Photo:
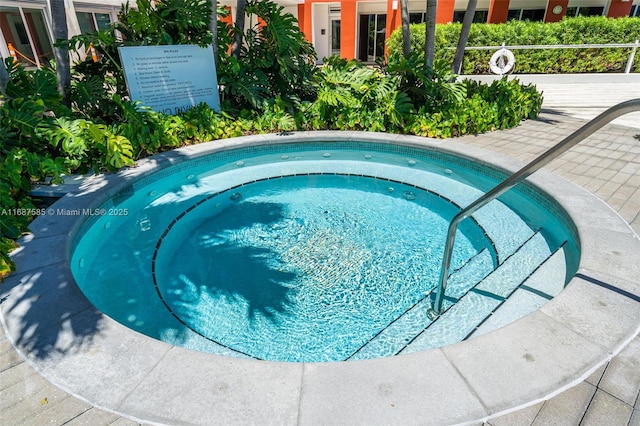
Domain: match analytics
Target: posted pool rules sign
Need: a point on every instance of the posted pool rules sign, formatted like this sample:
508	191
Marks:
171	79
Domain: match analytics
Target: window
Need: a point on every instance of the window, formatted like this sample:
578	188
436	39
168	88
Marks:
526	14
416	18
28	33
532	14
479	17
335	36
91	22
585	11
377	35
635	10
514	14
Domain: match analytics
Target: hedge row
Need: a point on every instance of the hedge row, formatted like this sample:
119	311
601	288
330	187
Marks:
580	30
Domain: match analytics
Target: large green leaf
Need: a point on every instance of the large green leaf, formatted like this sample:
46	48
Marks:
119	152
69	135
25	116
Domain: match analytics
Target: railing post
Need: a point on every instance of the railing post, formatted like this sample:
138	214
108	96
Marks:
446	263
535	165
631	57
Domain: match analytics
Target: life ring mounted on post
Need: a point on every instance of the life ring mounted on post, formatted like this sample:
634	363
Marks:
497	63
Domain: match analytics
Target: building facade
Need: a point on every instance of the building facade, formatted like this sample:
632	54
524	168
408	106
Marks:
349	28
359	28
25	26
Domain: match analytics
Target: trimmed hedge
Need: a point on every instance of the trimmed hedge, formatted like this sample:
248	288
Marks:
580	30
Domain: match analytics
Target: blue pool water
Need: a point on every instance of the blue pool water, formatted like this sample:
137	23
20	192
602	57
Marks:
306	253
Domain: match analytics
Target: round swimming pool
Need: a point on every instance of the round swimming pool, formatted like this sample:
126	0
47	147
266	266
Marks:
319	251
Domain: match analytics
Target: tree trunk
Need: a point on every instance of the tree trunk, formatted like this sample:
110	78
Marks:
406	33
464	36
213	27
430	33
61	53
239	30
4	76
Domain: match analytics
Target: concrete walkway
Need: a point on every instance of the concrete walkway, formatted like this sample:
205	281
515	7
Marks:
606	164
584	95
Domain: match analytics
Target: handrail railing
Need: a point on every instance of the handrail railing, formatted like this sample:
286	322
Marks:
555	46
627	70
535	165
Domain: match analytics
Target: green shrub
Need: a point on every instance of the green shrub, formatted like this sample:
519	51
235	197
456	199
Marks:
501	105
276	61
431	88
40	139
351	96
580	30
406	97
23	156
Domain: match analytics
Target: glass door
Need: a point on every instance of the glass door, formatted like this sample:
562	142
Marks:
372	36
335	36
26	30
39	35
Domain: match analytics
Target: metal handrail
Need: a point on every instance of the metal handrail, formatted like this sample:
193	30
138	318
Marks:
554	46
535	165
627	70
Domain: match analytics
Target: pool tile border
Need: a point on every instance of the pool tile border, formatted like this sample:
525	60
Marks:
115	368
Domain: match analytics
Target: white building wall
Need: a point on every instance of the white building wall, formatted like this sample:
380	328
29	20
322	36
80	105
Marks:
589	3
320	17
365	7
482	4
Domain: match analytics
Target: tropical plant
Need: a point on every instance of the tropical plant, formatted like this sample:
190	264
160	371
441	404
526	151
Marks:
355	97
501	105
26	116
34	119
164	22
276	61
38	85
430	87
274	118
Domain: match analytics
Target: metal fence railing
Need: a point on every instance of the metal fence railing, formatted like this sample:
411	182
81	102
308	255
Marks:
634	47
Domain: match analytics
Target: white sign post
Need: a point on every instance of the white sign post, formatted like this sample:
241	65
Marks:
171	79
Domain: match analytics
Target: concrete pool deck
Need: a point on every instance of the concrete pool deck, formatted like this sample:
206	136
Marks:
607	164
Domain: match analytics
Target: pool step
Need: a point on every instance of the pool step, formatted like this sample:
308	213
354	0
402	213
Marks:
506	230
543	284
504	227
472	308
400	332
